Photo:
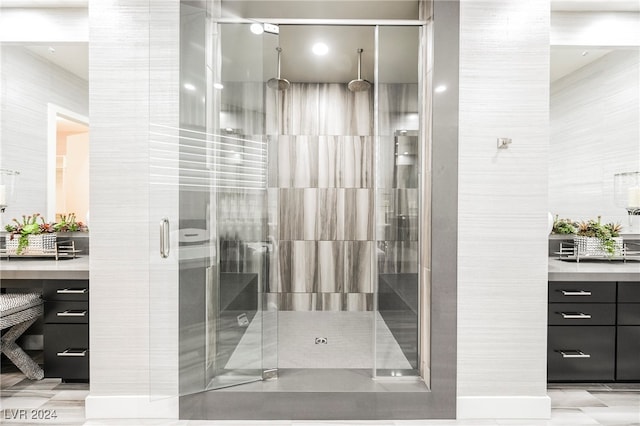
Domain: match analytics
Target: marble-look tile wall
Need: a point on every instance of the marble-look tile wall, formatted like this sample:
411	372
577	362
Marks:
321	196
322	166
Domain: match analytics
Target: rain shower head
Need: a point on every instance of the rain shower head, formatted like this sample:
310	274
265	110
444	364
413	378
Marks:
359	85
278	83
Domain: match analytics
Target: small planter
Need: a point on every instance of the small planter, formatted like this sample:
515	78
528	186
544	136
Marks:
39	244
592	246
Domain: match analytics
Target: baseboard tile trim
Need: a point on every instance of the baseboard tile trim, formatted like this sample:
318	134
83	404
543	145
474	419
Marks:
130	407
503	407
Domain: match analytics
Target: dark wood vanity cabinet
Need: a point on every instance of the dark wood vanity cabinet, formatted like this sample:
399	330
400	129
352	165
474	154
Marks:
628	338
594	331
581	335
66	329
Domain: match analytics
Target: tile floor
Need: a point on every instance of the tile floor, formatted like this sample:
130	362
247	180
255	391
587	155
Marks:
572	405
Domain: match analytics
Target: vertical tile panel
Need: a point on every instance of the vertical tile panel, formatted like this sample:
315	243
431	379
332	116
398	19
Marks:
331	266
358	267
291	208
327	214
311	213
329	162
304	161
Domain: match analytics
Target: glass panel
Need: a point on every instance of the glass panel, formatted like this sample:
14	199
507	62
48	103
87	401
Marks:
208	166
398	154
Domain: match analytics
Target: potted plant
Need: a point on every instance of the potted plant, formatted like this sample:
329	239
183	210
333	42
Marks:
34	235
596	239
564	226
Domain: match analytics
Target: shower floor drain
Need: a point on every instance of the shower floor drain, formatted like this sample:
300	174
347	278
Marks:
321	341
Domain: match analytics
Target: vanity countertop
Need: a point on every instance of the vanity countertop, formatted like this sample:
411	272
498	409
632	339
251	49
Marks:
593	270
39	268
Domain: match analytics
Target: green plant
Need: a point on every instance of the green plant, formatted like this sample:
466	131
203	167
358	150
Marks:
67	223
605	233
563	226
35	224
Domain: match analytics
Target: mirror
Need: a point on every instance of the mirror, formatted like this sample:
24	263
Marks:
45	105
594	129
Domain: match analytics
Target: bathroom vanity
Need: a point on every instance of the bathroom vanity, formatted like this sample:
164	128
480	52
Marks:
65	289
593	321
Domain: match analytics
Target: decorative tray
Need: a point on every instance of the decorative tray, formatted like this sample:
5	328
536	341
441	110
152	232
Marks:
62	250
569	252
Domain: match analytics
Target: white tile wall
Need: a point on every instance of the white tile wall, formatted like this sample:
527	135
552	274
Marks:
595	133
29	83
502	258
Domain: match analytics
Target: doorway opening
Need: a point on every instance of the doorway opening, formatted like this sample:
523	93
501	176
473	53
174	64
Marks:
68	165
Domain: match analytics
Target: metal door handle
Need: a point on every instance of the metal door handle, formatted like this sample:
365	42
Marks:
73	352
164	238
573	353
575	315
72	314
71	291
576	293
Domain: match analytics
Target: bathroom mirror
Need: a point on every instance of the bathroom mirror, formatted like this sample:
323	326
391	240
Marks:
594	116
44	123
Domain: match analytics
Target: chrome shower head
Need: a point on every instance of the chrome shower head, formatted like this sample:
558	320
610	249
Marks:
278	83
359	85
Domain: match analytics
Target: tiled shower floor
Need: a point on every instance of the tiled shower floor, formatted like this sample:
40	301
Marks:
349	342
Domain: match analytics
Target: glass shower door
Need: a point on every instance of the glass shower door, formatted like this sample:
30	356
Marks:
211	323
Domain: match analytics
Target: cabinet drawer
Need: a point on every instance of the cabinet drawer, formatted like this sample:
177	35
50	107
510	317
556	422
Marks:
628	366
629	314
66	351
582	314
72	290
629	292
64	312
581	353
582	292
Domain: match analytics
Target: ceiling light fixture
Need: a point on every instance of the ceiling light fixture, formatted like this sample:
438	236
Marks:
256	28
440	89
218	86
189	86
320	49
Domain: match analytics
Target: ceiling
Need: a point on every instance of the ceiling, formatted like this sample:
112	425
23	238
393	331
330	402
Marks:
596	5
340	64
72	57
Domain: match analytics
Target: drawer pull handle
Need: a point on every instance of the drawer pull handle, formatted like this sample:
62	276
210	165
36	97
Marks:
71	291
575	293
575	315
69	313
73	353
573	353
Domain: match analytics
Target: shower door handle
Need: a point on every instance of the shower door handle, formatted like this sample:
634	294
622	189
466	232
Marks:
164	238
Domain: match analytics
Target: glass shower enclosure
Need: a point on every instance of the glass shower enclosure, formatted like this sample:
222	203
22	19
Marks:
285	224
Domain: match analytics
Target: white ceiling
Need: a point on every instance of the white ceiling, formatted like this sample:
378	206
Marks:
340	64
596	5
44	3
565	60
72	57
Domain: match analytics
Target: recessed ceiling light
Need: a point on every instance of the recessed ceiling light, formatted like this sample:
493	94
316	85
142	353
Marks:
406	153
320	49
189	86
218	86
52	49
440	89
256	28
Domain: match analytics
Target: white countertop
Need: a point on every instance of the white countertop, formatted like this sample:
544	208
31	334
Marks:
42	268
593	270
